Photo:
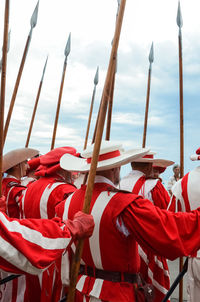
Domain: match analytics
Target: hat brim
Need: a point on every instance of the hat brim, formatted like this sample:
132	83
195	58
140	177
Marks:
72	163
155	161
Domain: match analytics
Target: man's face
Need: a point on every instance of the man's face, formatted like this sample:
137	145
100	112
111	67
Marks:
177	171
24	166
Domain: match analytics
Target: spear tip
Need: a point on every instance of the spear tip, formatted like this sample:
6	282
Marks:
34	16
96	78
68	46
179	19
151	54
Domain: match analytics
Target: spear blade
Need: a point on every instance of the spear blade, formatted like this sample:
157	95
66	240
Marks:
44	69
179	19
34	16
151	54
68	46
96	78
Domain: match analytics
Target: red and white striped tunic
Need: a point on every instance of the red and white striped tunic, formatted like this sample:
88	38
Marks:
39	201
153	268
29	246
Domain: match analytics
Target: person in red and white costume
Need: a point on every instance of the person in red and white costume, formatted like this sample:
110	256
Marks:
15	165
186	198
110	259
39	201
141	181
31	245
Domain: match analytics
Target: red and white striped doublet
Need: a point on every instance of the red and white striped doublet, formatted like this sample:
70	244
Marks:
109	248
153	268
12	190
41	197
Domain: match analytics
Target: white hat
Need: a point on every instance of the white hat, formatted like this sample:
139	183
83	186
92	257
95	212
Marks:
149	158
110	156
196	156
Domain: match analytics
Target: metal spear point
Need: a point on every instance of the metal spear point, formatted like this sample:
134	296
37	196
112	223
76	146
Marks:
179	19
96	78
151	54
34	16
68	46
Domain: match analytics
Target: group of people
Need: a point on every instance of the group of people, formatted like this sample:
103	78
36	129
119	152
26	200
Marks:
132	229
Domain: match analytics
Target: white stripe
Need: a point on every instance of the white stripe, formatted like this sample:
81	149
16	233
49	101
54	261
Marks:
7	199
160	265
34	236
96	290
44	198
156	284
80	283
22	203
21	287
66	209
97	212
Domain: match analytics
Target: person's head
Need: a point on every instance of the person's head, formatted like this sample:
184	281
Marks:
111	157
146	168
50	163
176	170
15	162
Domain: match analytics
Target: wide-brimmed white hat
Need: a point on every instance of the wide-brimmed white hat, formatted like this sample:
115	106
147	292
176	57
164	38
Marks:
149	158
111	155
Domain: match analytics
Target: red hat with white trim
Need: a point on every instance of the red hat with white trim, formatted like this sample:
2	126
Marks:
111	155
196	156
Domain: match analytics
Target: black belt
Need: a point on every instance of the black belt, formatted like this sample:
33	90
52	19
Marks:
108	275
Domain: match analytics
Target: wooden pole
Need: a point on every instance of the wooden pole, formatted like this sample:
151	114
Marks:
180	24
92	172
110	107
12	102
91	108
35	107
3	84
67	51
147	97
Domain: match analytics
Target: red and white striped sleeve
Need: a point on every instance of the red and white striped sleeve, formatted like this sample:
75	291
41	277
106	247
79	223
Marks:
30	245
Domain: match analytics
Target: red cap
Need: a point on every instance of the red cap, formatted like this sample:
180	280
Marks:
33	163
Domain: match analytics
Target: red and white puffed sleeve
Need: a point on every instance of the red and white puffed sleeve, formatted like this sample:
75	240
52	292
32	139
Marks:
30	245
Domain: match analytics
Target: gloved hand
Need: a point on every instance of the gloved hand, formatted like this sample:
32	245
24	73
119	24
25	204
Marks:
81	226
3	204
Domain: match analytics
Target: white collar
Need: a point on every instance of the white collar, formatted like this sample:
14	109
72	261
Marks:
133	172
102	179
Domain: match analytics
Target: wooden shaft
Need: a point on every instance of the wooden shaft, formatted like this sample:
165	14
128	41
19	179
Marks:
146	110
33	115
58	105
92	172
110	106
12	102
95	129
89	119
181	142
3	85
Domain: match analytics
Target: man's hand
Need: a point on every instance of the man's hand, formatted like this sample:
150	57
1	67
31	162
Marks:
81	226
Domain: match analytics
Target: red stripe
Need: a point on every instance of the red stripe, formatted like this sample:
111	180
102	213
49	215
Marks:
138	185
105	156
148	156
184	186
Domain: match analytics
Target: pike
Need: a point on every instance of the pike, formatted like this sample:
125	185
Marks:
66	52
179	22
35	107
89	190
96	80
8	47
111	93
3	83
33	23
151	58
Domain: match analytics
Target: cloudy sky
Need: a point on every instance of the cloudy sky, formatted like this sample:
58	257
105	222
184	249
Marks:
91	23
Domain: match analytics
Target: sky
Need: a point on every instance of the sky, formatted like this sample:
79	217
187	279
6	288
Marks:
91	24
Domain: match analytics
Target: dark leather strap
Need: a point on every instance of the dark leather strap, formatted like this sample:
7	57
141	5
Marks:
109	275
